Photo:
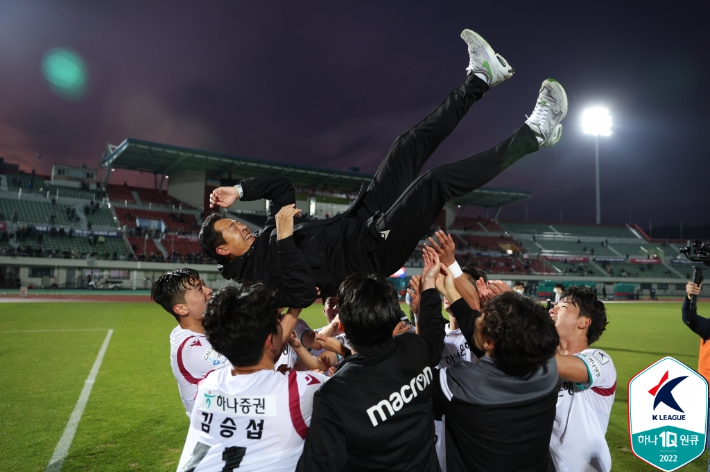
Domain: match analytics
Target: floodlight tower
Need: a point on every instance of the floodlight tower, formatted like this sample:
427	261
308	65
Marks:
597	122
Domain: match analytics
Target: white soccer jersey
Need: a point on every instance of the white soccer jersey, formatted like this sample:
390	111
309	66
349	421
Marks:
582	417
250	422
456	348
191	357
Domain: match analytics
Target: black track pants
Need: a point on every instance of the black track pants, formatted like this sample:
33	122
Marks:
409	204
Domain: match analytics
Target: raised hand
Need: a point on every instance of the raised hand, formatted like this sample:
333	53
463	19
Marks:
445	284
223	197
284	220
432	267
414	291
498	286
444	248
484	293
401	328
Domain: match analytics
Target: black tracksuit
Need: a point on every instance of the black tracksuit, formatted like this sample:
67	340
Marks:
379	232
375	413
495	422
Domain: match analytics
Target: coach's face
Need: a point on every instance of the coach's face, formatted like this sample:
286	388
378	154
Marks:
237	236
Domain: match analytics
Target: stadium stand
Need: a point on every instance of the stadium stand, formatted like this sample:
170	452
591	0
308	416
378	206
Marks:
573	248
183	222
36	212
144	247
100	217
143	196
526	228
181	246
120	194
26	182
602	231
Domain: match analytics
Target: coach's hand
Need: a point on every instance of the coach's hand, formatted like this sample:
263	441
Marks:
284	221
223	197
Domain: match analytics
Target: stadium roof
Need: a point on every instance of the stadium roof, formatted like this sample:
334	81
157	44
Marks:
162	159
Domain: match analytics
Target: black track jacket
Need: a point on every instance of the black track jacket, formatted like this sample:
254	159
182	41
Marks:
322	253
375	413
495	422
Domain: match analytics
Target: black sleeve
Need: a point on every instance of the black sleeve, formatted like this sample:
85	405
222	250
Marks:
699	325
466	318
280	191
431	325
326	447
298	289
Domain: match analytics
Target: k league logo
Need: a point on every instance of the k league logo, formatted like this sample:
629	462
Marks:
668	408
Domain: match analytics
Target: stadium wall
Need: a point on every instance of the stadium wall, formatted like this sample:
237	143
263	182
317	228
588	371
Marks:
134	275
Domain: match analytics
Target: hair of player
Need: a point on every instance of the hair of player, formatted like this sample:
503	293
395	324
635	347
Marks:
519	284
238	320
524	336
560	286
474	272
169	289
369	310
591	307
210	239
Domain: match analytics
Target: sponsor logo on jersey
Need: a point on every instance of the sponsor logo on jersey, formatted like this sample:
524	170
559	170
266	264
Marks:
397	399
196	342
602	357
310	380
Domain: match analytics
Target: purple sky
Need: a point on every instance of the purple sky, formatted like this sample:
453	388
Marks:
332	85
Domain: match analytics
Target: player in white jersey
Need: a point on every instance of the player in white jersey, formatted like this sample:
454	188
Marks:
587	388
248	417
183	294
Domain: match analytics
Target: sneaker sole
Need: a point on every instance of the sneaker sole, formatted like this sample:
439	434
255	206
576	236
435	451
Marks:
471	36
564	105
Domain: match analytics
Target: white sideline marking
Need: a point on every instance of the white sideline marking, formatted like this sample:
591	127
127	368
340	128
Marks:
51	330
60	453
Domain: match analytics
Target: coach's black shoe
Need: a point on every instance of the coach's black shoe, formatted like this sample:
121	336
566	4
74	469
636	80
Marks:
483	60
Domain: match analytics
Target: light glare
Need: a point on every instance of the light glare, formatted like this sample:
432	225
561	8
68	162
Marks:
597	122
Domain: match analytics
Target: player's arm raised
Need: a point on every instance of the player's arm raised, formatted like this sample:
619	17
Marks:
298	289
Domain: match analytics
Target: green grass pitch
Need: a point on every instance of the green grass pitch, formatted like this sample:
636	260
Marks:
134	419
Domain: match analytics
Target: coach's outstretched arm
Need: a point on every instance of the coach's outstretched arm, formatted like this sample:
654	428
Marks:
278	190
297	288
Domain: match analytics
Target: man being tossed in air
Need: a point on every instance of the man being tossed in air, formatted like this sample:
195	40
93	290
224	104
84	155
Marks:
383	226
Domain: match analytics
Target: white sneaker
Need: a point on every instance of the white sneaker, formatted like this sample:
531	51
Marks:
549	111
483	60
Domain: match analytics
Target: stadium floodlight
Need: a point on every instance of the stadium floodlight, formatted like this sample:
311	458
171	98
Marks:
597	122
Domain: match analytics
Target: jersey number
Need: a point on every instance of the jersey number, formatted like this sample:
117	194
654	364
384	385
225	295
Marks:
232	457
